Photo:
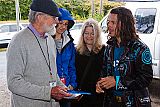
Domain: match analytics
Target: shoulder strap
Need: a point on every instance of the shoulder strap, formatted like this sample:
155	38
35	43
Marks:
86	70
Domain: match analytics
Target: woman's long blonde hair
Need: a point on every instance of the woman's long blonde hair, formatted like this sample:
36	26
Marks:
81	47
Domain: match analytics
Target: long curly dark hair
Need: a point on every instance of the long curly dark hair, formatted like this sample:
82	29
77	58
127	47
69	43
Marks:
127	31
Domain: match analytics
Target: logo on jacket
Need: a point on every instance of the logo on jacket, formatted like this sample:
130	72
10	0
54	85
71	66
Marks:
146	56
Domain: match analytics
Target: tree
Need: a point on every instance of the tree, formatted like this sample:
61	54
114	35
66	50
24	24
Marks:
101	7
92	8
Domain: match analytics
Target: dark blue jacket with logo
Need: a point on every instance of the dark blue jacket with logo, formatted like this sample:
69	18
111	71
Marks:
134	67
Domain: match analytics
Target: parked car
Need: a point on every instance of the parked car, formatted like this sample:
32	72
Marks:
77	25
76	31
7	31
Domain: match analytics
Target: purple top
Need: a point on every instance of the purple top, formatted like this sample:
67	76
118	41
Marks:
35	32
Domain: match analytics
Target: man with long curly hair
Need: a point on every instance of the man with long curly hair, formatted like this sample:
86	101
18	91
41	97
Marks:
127	68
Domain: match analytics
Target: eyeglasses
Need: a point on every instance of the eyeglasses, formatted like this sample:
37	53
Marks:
64	23
53	17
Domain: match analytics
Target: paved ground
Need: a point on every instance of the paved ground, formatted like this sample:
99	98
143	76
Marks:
4	92
155	93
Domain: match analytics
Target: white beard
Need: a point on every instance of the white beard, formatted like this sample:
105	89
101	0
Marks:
51	30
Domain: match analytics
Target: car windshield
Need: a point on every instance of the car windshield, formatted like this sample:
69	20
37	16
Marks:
77	26
25	24
145	19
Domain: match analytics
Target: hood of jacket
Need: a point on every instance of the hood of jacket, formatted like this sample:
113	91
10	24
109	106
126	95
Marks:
66	39
65	15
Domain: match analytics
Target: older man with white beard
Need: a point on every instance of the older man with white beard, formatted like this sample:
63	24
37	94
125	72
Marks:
31	60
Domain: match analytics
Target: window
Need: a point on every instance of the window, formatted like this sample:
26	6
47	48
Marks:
77	26
25	25
145	19
4	28
104	25
13	28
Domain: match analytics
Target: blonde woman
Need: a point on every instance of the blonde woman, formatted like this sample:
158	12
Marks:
89	56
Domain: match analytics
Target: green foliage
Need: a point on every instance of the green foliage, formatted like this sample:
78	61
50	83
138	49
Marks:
98	16
24	8
8	11
80	9
110	5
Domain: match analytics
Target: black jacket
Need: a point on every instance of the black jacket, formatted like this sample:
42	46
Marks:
90	79
134	67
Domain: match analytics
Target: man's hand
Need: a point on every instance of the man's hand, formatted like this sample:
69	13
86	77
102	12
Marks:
98	88
59	92
106	83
